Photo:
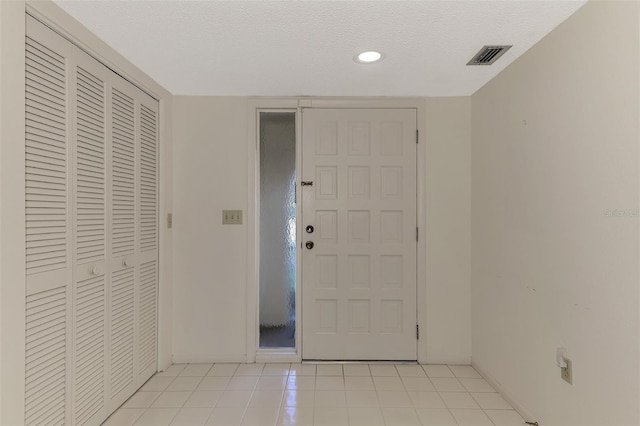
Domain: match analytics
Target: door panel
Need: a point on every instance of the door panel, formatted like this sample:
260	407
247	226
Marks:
359	279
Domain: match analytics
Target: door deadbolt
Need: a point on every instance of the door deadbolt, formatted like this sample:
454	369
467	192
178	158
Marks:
309	245
309	229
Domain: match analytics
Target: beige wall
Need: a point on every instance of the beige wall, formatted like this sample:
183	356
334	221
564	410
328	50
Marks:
554	152
211	260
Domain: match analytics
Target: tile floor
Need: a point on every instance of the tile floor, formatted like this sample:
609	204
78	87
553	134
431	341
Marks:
314	395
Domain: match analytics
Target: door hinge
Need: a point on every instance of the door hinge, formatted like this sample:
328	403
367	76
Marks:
417	234
417	134
417	332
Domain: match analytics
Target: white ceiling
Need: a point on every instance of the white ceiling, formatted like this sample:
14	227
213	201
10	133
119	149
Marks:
296	47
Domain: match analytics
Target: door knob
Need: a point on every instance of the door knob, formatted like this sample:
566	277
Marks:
309	244
309	229
126	262
96	270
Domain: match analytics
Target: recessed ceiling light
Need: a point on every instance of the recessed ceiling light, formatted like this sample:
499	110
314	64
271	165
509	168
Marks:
368	57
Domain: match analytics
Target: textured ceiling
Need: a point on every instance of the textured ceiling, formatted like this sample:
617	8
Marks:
290	48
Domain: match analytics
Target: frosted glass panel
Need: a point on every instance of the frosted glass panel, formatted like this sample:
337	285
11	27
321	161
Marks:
277	229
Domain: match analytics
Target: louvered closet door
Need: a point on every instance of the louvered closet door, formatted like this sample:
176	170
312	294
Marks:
48	229
147	291
123	262
90	224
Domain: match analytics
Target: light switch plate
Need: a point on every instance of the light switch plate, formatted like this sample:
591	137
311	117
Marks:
232	217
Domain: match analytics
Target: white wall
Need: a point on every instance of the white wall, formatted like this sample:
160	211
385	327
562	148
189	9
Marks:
12	212
210	260
554	151
448	230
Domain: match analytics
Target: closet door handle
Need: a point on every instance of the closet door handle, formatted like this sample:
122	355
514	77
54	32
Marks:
126	262
96	270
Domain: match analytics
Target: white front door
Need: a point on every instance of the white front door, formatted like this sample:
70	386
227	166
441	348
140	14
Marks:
359	195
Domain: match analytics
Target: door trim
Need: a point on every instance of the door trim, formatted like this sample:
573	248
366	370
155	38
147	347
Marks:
255	105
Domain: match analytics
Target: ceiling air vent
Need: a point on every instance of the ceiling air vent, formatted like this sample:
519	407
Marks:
488	55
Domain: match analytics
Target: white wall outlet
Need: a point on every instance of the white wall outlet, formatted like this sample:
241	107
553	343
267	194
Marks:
232	217
566	373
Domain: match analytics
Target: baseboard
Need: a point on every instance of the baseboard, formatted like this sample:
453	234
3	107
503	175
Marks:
208	358
524	413
448	360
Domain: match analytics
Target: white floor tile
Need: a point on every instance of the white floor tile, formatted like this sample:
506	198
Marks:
329	370
171	400
213	383
356	370
260	416
358	383
299	398
301	382
198	370
330	399
184	384
203	399
223	370
362	399
329	383
276	369
436	417
157	384
447	384
491	401
237	398
249	370
388	383
400	416
477	385
465	371
426	400
458	400
470	417
226	416
410	371
141	400
243	383
437	371
266	398
298	416
272	382
394	399
172	371
421	384
505	417
335	416
157	417
124	417
302	370
192	417
359	416
289	394
383	370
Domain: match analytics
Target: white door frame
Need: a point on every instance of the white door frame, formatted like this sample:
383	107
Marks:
255	105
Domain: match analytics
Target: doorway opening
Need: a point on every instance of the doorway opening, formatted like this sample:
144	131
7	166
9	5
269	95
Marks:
277	282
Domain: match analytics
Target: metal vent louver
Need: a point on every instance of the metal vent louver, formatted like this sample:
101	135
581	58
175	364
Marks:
488	55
